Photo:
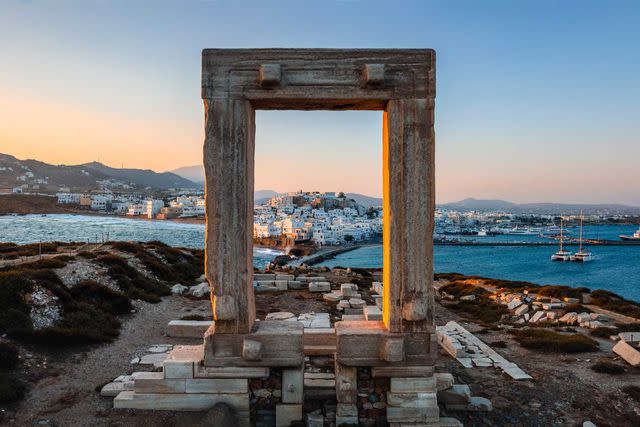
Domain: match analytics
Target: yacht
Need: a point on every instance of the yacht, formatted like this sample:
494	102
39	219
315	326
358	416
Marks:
581	255
562	255
635	237
482	233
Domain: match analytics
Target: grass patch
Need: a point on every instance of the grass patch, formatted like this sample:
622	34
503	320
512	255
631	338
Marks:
606	367
460	289
547	341
481	309
577	308
46	263
610	301
107	299
130	281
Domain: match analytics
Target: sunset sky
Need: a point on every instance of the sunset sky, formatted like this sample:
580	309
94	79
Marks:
536	101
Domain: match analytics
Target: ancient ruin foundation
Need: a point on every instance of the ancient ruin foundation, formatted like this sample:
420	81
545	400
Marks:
402	346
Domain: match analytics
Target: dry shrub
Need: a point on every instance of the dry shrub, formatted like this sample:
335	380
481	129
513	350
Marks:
547	341
606	367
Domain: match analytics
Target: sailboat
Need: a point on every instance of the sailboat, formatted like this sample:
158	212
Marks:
562	255
581	255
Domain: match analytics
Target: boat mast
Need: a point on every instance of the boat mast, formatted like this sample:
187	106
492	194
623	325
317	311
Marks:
561	239
580	231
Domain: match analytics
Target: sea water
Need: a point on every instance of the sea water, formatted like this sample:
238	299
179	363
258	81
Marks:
616	268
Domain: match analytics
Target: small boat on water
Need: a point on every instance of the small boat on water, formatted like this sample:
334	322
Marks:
581	255
562	255
635	237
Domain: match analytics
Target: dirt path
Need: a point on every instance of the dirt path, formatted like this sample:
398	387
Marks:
70	399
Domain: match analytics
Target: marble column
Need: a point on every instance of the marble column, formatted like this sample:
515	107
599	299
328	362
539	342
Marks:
409	202
229	170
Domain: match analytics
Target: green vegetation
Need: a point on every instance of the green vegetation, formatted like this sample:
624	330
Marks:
481	309
11	387
605	299
610	301
460	289
547	341
606	367
131	281
166	263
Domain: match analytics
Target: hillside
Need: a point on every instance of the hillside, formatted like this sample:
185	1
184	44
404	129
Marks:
34	175
471	204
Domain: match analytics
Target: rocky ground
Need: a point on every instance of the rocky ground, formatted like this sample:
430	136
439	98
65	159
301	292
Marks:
564	390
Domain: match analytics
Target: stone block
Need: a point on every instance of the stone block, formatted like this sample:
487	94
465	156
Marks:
292	385
630	337
314	420
346	414
319	336
346	383
402	371
251	349
281	285
288	413
476	403
372	312
177	369
457	395
376	287
281	341
180	402
280	315
285	277
417	415
354	311
359	342
414	385
374	74
444	381
442	422
161	386
264	277
217	385
353	317
319	287
332	297
347	289
513	304
114	388
521	310
296	285
538	316
392	350
201	371
411	400
627	352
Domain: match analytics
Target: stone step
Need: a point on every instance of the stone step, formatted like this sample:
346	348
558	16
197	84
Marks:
188	328
319	350
179	402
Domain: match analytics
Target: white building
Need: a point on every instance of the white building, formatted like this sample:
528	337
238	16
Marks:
153	207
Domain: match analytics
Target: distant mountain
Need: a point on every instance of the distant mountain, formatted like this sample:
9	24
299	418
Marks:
192	173
142	177
261	196
366	201
36	175
541	208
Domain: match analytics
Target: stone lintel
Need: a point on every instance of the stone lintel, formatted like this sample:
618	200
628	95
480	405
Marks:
341	79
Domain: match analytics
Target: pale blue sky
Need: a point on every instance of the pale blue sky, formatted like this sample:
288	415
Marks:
536	101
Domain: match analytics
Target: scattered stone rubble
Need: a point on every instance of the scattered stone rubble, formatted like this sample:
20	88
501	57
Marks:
628	347
46	309
471	352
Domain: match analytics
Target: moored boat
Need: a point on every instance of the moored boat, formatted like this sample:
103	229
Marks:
635	236
562	255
